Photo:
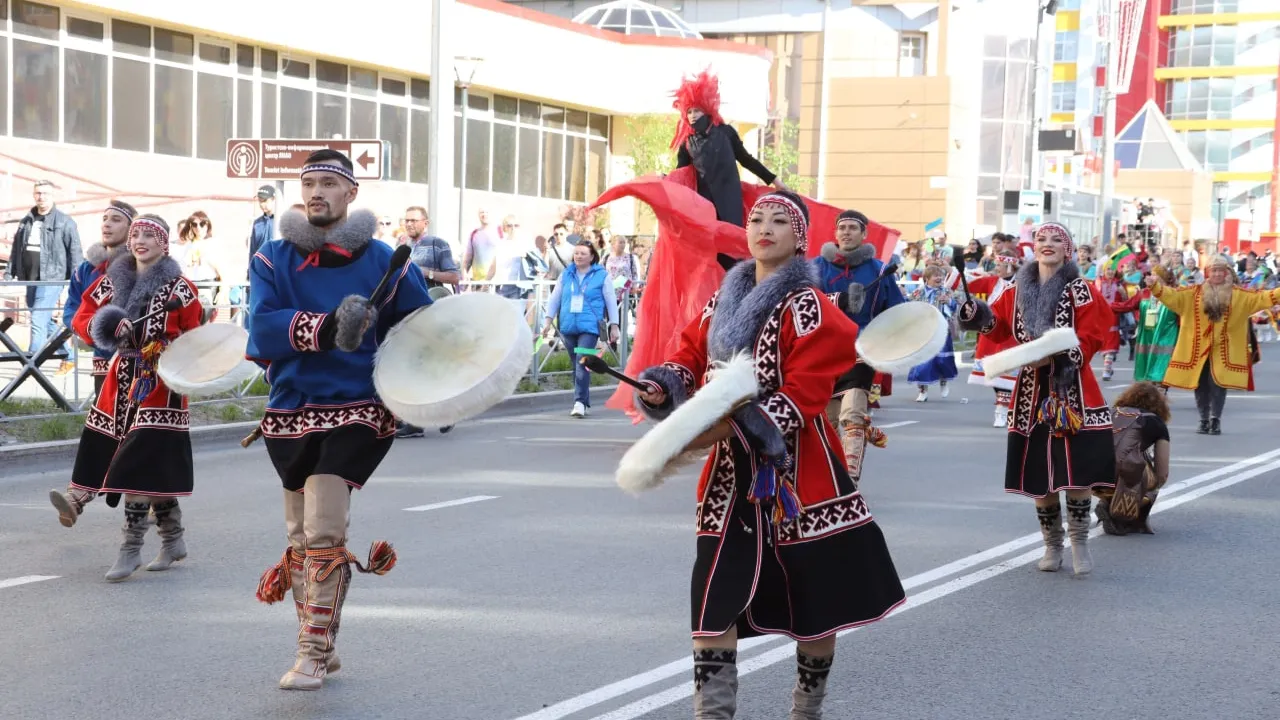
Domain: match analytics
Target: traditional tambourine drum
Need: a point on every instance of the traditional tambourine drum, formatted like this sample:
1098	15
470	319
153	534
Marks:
902	337
1057	340
669	445
206	361
453	359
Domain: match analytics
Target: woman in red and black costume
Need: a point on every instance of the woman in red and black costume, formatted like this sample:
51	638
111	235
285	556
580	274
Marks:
1059	424
136	439
785	542
713	147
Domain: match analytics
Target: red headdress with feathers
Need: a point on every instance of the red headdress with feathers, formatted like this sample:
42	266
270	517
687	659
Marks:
702	92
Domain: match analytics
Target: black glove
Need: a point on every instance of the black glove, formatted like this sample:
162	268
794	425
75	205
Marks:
851	300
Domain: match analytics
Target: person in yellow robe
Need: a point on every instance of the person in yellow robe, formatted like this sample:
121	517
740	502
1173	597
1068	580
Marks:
1212	352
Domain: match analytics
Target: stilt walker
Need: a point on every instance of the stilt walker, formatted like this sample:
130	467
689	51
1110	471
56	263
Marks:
988	289
315	324
136	441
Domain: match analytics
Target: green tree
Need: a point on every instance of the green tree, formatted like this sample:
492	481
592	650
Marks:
780	152
649	148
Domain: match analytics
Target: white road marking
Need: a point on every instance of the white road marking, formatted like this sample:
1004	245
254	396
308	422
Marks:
24	580
25	506
1237	472
902	423
451	503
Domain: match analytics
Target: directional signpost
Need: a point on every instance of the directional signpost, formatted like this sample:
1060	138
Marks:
282	159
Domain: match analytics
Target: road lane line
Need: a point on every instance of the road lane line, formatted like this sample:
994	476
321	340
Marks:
451	503
617	689
902	423
645	705
25	580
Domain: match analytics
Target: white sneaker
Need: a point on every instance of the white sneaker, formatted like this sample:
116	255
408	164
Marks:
579	410
1002	417
946	390
923	396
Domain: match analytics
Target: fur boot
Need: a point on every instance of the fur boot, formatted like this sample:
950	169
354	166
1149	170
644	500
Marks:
169	526
136	522
854	422
70	505
294	508
715	684
1078	521
811	686
1051	529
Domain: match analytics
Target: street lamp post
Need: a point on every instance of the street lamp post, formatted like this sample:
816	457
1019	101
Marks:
1222	198
1033	164
1253	232
464	69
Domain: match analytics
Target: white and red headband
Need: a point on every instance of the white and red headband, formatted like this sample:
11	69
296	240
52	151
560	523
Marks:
1061	234
162	235
799	224
1007	259
122	212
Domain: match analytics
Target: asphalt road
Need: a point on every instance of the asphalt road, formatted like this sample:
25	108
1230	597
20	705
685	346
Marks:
551	595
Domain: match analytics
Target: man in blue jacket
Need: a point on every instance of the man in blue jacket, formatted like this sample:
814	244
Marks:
116	220
264	231
849	265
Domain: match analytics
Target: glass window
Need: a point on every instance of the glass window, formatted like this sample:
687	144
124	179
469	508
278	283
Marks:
993	74
364	119
505	108
420	147
989	147
331	75
295	113
131	38
553	117
174	46
598	126
35	90
84	112
597	168
270	62
457	152
553	165
504	158
244	59
527	161
1066	47
1017	104
87	29
393	87
244	108
530	112
576	168
331	116
297	69
130	105
364	81
477	154
394	129
36	20
214	121
420	92
172	124
576	121
911	55
268	114
216	54
995	46
4	88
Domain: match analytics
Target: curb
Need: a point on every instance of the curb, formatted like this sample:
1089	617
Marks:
205	436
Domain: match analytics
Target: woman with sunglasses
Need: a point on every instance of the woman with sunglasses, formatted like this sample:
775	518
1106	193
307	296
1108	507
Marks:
195	253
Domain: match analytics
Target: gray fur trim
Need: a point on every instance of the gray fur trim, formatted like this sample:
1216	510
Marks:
1038	302
763	435
855	257
855	298
351	235
982	317
102	328
350	318
133	293
743	308
671	383
97	253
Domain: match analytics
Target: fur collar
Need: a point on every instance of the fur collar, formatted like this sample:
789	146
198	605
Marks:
855	257
351	235
1038	302
97	253
133	293
742	307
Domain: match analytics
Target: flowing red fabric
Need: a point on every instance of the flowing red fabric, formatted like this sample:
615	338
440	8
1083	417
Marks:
683	271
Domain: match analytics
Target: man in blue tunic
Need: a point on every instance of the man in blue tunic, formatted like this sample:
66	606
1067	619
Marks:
849	265
115	231
315	328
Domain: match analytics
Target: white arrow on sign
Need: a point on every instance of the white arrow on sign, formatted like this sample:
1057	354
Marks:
367	158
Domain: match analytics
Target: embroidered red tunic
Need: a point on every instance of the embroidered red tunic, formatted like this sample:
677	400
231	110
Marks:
139	448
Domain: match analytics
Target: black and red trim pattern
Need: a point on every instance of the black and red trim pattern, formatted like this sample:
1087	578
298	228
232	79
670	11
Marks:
304	331
323	418
685	374
100	366
830	517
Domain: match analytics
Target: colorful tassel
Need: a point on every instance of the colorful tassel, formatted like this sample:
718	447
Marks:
144	381
768	486
276	581
1059	416
788	507
382	558
876	436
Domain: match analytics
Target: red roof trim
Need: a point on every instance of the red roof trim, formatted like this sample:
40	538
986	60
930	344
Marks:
644	40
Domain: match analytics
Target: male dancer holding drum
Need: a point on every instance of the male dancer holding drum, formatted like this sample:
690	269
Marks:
315	328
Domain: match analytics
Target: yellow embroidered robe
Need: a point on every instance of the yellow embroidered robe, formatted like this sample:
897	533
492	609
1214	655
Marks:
1225	341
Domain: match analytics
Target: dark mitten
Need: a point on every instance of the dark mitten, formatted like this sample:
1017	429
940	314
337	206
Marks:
671	383
1064	370
851	301
352	320
974	315
106	323
762	434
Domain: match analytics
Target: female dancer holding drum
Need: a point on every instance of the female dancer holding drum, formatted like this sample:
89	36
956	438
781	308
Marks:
136	440
785	542
1059	423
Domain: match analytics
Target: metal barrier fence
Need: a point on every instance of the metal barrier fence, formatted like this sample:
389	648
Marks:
531	298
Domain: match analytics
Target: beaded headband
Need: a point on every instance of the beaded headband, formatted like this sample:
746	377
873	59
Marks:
122	212
798	224
1061	233
161	234
328	167
1009	259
